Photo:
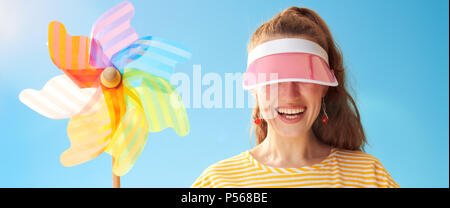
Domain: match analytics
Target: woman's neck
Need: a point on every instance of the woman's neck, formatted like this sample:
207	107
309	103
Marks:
280	151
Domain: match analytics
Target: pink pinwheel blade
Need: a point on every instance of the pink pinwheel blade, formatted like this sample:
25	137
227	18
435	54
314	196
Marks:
111	33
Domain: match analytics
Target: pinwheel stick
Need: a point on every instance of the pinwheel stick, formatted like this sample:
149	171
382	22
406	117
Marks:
116	179
111	78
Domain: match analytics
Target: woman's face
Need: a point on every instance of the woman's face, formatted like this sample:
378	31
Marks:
290	108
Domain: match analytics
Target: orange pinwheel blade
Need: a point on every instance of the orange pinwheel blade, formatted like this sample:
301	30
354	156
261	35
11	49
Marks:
71	55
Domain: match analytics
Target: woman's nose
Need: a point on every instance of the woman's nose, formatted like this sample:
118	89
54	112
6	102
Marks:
289	89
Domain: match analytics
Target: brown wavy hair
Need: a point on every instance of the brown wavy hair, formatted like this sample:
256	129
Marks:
344	128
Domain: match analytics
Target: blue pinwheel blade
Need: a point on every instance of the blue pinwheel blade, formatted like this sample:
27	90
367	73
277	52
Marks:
153	55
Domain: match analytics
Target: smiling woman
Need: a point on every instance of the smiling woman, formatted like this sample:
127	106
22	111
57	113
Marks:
307	125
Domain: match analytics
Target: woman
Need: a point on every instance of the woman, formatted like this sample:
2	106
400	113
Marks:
307	125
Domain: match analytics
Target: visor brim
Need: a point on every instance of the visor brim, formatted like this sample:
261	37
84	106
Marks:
288	67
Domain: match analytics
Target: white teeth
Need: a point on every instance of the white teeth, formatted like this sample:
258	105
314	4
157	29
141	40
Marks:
291	117
291	111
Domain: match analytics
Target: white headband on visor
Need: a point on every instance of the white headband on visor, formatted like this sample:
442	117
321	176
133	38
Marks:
288	60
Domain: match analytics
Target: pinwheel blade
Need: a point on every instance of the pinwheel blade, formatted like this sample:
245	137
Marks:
161	102
129	138
111	33
59	98
71	55
89	133
152	55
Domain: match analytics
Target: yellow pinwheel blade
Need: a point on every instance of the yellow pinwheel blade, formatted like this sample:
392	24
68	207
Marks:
130	137
89	133
161	102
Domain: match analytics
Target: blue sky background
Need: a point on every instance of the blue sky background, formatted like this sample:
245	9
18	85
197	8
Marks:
396	54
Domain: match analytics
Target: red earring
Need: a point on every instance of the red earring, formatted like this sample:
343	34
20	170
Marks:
257	121
324	119
325	116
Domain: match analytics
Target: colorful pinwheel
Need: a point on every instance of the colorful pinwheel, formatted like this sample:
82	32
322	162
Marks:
115	89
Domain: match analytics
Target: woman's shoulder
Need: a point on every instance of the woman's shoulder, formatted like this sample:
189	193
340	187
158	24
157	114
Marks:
357	157
231	165
363	163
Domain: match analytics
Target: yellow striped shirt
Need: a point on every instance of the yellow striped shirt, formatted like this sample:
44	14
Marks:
342	168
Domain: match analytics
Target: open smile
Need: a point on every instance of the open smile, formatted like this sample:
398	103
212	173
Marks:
291	114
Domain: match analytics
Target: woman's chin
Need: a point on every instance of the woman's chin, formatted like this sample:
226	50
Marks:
291	131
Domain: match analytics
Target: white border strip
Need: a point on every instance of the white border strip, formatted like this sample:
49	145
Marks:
286	45
333	84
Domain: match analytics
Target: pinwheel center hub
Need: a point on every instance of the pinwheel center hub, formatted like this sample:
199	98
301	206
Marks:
110	77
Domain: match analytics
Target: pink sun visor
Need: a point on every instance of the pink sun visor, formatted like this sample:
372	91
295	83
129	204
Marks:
288	60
